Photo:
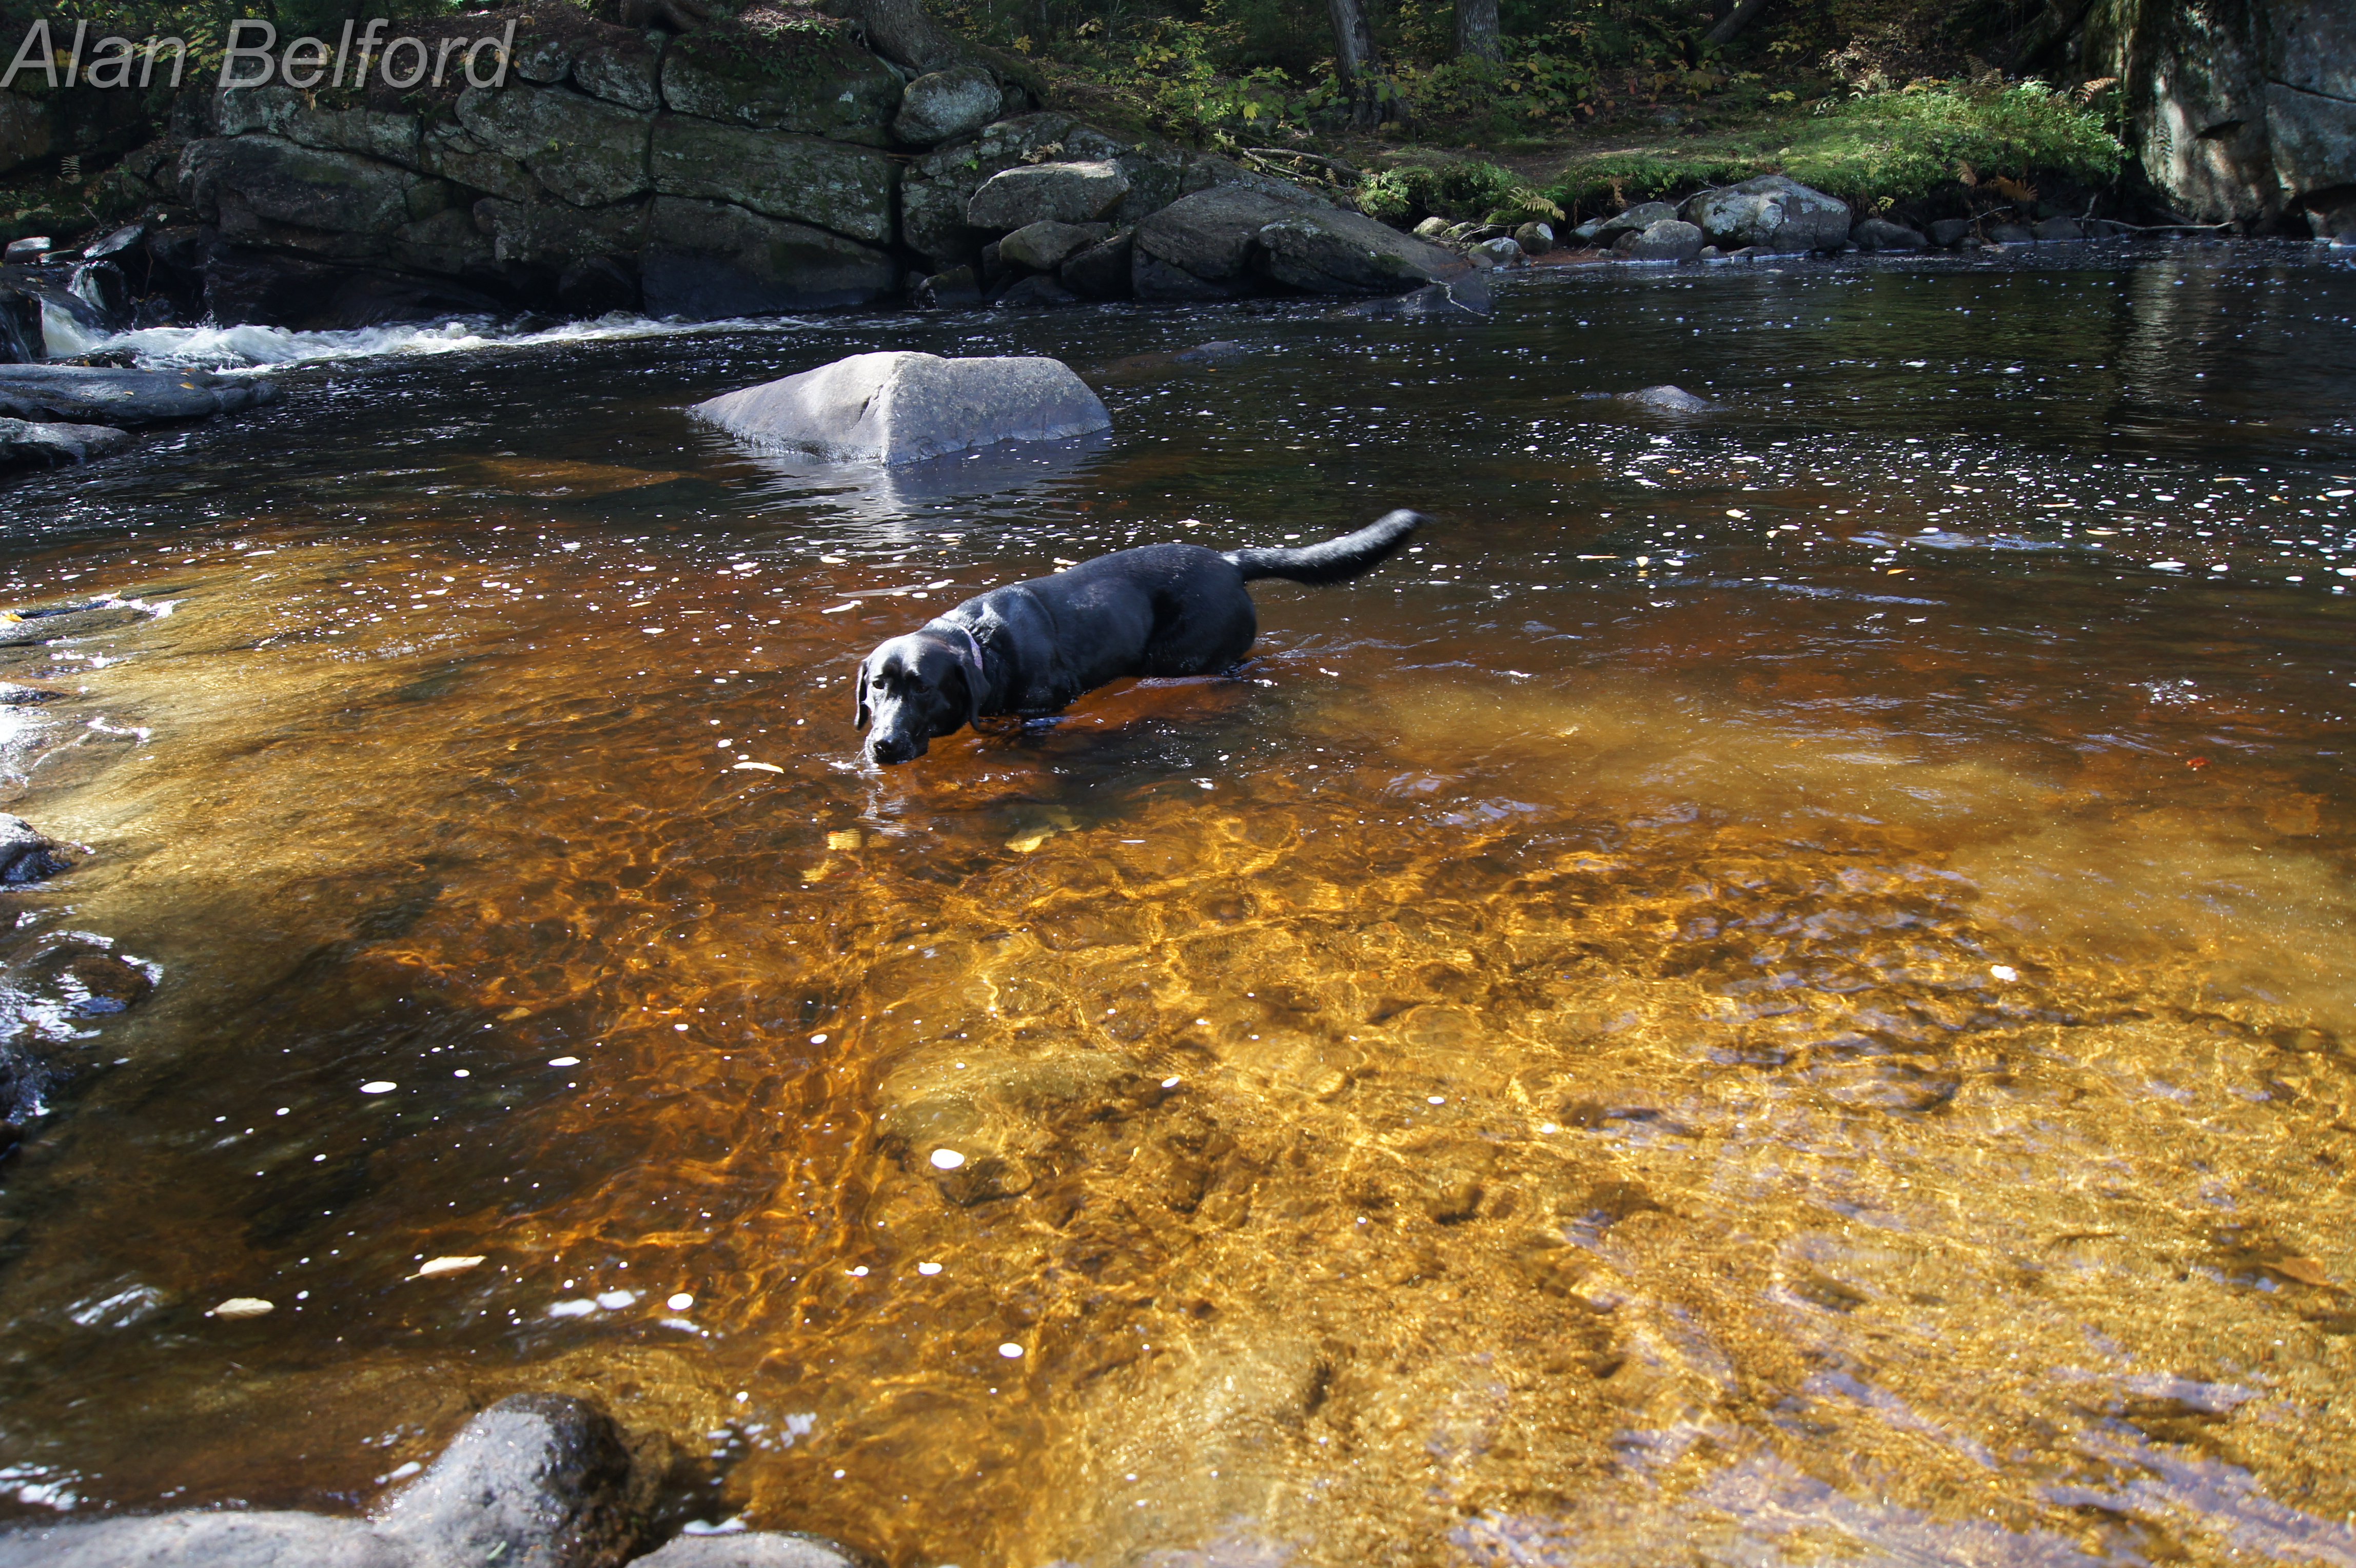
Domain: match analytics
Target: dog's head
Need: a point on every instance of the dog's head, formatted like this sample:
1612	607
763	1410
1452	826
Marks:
910	690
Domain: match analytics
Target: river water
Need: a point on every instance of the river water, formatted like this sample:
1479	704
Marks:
1780	990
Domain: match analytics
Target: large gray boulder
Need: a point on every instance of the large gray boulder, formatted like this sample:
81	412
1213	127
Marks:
623	71
707	259
282	112
1670	240
834	185
1324	250
1044	247
79	394
935	193
943	105
1774	211
536	1481
1210	237
897	408
1230	240
1047	193
582	149
25	444
806	78
283	182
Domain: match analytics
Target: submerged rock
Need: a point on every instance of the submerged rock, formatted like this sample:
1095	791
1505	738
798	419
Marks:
1774	210
1665	399
902	408
27	444
27	854
22	628
1036	292
78	394
1466	295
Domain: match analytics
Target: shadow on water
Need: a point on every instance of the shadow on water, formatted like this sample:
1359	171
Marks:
1779	983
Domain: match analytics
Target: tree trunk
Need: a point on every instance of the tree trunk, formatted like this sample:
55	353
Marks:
1477	30
1353	54
1741	16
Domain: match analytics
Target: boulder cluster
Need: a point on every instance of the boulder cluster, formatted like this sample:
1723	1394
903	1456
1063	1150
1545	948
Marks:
715	174
1773	215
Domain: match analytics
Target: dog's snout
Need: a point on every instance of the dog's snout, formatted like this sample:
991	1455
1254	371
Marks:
891	749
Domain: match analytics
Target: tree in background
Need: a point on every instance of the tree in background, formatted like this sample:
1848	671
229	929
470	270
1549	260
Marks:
1477	31
1373	99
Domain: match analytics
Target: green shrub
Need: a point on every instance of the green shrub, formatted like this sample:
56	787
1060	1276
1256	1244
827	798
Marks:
1407	193
1866	149
1904	144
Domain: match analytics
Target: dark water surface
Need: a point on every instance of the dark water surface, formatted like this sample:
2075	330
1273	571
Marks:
1780	992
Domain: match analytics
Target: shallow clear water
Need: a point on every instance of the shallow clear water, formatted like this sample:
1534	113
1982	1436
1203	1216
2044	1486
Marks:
1779	991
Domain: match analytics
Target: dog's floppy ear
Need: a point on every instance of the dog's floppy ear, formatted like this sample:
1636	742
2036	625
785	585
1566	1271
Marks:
859	711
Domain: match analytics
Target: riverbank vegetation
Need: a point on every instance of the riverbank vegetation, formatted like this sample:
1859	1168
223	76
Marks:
1463	108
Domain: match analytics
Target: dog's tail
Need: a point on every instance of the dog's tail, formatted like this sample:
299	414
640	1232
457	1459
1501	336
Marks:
1337	560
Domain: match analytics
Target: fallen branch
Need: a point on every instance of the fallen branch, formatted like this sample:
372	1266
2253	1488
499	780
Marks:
1339	169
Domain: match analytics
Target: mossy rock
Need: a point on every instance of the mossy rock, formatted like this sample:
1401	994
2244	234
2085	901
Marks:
814	80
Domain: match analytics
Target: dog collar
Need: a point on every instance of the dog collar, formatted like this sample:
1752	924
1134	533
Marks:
973	650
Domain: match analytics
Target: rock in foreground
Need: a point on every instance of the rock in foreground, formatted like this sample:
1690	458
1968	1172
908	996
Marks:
903	408
26	853
194	1539
536	1481
25	444
78	394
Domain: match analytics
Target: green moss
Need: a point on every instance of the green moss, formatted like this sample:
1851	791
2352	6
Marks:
1880	146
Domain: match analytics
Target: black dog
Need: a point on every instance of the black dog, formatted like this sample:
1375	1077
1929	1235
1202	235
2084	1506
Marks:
1030	648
